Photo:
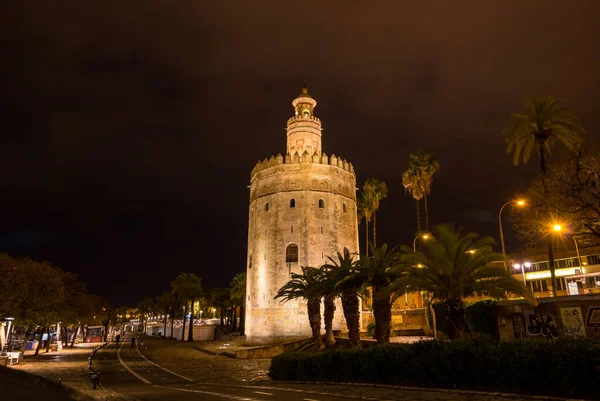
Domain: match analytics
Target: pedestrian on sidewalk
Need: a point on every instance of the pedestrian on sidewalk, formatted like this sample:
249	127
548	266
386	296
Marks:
132	342
118	338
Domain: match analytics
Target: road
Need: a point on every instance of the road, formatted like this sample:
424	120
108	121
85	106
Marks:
126	371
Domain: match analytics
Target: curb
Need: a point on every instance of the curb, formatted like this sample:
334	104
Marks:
439	390
206	351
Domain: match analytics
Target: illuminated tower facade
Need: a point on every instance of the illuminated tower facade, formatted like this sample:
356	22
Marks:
302	210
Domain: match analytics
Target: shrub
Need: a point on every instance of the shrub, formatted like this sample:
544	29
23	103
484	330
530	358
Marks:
480	318
566	367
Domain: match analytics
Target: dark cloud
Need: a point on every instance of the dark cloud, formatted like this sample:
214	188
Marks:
130	128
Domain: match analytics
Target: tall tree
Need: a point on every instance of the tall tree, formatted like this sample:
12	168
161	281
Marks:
376	190
342	270
238	296
165	303
305	286
418	178
380	271
221	299
365	210
187	287
327	289
412	185
456	266
543	124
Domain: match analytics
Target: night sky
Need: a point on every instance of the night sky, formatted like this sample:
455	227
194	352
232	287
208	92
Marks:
129	128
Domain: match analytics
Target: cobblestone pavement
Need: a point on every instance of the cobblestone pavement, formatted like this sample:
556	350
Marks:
184	358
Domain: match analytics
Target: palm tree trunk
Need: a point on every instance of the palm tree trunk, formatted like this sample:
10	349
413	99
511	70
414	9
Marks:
328	313
191	327
426	211
455	317
418	217
367	237
374	229
352	316
550	237
313	307
382	311
185	309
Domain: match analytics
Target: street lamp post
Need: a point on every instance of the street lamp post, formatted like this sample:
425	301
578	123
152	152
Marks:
518	202
424	236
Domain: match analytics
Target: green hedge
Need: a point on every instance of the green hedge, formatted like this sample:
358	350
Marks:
567	367
479	316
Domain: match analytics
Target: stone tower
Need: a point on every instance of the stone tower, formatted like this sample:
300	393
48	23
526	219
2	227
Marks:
302	210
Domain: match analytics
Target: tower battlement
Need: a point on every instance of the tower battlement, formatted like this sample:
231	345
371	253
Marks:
323	159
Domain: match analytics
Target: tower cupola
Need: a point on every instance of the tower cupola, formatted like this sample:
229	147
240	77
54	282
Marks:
304	129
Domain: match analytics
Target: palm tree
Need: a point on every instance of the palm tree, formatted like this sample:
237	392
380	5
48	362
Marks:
417	180
340	270
543	124
412	185
305	286
365	210
456	266
187	287
379	272
376	190
165	303
238	296
327	289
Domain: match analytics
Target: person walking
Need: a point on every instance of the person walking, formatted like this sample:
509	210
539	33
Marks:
132	342
118	338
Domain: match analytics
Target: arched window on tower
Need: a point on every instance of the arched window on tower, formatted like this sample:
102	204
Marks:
344	208
292	203
291	253
250	261
321	203
266	206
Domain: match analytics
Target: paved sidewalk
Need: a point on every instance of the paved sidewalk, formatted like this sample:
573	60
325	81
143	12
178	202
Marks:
69	367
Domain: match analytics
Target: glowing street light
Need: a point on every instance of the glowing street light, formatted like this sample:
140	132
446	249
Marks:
558	228
522	268
423	236
519	202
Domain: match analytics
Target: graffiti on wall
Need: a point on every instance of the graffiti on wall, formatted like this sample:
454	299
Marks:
572	321
540	324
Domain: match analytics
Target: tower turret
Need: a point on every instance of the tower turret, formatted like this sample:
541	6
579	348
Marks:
304	129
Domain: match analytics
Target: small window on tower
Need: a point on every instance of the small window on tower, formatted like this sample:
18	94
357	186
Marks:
291	253
344	208
321	203
250	262
266	206
292	202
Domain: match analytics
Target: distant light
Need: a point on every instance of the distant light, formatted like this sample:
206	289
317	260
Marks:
557	227
517	266
521	202
425	236
471	251
527	264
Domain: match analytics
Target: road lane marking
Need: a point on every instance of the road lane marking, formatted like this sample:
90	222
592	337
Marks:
309	399
160	367
260	392
230	397
128	368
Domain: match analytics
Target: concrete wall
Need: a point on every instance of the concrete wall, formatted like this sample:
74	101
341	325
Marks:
201	333
518	319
